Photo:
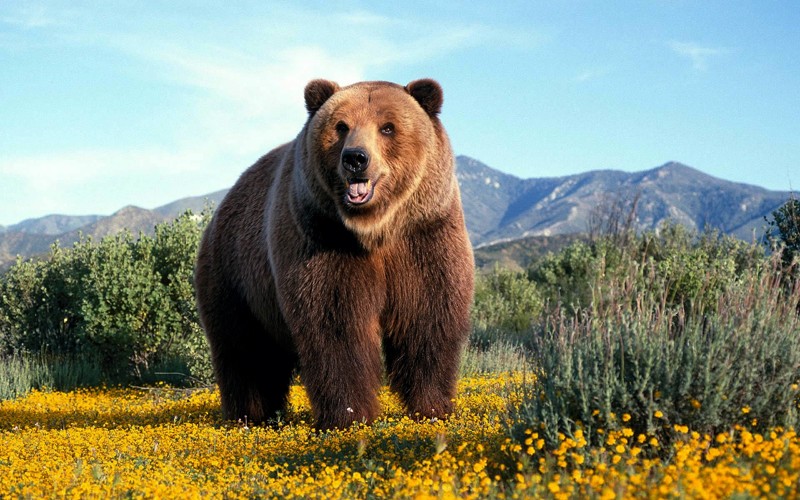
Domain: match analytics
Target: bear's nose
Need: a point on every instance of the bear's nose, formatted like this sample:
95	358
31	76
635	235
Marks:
355	160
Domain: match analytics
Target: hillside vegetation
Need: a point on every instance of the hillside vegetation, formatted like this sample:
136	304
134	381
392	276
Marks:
122	308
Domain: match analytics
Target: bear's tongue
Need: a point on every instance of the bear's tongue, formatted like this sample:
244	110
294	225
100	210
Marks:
358	191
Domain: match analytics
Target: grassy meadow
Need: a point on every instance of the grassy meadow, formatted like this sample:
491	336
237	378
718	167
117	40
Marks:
625	366
163	443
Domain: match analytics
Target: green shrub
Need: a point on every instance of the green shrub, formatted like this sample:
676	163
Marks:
176	248
505	301
737	362
783	230
693	269
564	277
126	303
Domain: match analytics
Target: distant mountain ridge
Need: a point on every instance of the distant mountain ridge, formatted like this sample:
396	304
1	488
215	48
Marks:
52	224
497	206
563	205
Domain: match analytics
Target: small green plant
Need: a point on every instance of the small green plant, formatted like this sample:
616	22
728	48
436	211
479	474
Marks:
18	376
496	357
19	373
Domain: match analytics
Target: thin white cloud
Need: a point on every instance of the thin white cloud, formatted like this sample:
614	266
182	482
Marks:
252	95
697	53
591	74
364	18
247	102
46	172
248	92
29	18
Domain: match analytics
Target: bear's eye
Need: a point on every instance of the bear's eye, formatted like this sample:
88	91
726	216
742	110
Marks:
388	129
342	128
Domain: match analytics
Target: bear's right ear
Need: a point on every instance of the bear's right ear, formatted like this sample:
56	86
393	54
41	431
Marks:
317	92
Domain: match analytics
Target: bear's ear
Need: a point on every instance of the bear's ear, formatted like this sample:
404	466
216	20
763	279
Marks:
317	92
428	94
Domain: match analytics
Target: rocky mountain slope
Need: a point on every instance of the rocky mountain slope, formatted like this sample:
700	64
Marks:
501	207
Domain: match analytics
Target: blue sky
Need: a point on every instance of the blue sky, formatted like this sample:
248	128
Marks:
109	103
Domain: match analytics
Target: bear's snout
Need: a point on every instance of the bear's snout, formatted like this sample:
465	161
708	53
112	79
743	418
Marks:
359	188
355	160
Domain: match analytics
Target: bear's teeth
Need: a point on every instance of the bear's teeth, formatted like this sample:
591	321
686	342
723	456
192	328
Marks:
363	188
359	189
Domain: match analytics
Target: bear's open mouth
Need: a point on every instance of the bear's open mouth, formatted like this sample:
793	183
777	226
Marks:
359	191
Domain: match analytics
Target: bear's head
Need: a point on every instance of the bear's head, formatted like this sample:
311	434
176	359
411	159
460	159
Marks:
378	151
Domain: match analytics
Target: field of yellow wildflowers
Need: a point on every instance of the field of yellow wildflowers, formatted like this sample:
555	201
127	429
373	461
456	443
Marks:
165	443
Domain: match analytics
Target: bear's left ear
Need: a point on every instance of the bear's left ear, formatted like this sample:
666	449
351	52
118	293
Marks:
317	92
428	94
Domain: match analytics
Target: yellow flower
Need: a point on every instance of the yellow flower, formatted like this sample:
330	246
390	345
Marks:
658	414
113	443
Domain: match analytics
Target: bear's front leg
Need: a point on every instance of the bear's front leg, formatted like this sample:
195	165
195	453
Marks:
422	364
427	323
341	370
333	311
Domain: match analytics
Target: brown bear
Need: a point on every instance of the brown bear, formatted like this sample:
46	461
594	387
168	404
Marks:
338	252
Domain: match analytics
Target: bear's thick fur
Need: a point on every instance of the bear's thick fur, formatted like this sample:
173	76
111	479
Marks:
339	251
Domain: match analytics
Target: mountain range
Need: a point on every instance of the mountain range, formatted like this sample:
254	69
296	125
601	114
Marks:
498	207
